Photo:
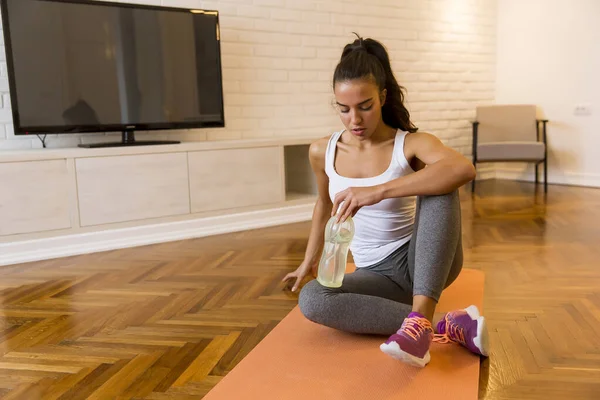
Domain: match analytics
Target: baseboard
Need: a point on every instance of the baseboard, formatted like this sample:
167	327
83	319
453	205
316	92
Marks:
564	178
70	245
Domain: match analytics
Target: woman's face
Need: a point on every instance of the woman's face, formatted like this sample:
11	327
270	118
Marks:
359	105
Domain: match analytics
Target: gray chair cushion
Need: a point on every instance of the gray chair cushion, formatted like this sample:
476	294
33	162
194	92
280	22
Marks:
511	151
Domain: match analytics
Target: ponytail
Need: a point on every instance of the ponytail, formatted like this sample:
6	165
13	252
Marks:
367	58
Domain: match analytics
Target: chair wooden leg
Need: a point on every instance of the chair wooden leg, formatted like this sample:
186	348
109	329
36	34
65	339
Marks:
537	173
546	175
473	181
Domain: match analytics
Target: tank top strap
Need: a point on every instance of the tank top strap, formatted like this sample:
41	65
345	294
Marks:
399	155
330	152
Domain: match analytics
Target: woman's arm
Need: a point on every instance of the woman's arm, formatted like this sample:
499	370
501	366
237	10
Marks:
322	210
446	170
321	215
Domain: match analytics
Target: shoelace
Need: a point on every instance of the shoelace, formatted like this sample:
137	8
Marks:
415	326
452	330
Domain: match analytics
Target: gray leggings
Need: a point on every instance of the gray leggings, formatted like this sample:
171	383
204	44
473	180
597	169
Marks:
376	299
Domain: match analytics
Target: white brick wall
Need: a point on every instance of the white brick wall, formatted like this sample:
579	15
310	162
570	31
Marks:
279	55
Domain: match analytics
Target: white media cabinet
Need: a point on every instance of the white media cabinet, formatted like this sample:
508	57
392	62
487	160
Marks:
61	202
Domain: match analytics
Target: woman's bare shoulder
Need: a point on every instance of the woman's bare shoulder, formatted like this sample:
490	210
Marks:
318	148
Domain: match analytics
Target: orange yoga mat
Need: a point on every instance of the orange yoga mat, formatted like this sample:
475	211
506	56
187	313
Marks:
303	360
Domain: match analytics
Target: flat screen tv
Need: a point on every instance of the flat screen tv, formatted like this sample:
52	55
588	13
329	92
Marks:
79	66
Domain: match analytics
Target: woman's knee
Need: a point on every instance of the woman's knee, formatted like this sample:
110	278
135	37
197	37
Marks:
311	301
444	202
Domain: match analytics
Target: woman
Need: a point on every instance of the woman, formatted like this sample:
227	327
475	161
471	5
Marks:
400	187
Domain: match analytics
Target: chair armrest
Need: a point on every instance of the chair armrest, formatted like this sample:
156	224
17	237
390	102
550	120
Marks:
537	127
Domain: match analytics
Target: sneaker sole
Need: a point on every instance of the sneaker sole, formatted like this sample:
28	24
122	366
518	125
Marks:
481	341
393	350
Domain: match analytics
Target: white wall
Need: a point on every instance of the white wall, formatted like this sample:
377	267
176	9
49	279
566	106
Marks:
549	55
279	56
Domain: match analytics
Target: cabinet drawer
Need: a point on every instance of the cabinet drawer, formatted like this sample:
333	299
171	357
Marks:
222	179
128	188
34	197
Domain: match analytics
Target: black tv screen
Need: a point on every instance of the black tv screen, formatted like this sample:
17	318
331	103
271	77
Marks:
83	66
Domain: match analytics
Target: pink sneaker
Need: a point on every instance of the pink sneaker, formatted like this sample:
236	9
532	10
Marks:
411	343
466	327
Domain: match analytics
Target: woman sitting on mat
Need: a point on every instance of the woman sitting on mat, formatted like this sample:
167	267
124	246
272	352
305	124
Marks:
407	249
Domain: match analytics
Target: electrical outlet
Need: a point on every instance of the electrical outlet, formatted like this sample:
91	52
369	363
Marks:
583	109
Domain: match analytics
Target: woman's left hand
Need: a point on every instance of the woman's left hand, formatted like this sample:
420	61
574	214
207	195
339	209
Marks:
353	199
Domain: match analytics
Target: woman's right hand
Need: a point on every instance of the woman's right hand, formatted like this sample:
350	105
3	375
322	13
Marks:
299	274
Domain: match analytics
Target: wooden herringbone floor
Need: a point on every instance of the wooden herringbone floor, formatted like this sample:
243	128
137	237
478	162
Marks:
168	321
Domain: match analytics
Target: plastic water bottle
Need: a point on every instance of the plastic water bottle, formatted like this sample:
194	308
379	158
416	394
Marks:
332	266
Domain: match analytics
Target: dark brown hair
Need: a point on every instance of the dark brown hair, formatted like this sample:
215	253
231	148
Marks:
367	58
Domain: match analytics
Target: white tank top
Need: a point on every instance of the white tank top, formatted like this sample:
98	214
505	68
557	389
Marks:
382	228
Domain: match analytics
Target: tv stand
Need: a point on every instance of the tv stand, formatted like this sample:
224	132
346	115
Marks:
108	198
128	139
